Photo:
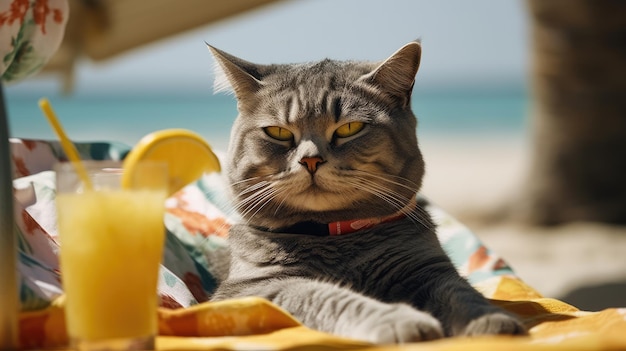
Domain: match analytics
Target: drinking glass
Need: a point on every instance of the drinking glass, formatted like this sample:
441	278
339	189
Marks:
111	245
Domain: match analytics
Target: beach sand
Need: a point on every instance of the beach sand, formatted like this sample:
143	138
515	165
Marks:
473	178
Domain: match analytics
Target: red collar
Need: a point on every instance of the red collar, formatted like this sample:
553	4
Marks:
343	227
347	227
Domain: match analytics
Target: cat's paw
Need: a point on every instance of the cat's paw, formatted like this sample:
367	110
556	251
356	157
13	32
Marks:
495	323
400	324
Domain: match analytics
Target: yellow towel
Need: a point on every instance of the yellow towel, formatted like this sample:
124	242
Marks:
254	323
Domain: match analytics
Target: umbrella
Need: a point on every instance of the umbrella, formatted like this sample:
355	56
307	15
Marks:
38	34
100	30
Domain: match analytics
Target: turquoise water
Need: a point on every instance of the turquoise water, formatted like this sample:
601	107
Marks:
127	118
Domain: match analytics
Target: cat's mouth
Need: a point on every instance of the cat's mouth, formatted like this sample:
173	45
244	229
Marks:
315	188
318	194
318	184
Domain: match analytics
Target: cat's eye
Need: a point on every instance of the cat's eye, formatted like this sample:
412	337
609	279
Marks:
279	133
349	129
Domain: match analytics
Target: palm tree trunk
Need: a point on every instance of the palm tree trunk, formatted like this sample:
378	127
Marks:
578	170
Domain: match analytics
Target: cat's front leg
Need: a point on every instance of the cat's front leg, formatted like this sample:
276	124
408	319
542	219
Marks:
343	312
468	313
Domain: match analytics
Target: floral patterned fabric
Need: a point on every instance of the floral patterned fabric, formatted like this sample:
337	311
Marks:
197	223
30	32
185	279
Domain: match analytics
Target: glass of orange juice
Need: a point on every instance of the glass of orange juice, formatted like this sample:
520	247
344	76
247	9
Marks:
111	245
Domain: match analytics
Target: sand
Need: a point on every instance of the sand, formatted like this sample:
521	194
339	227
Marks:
472	178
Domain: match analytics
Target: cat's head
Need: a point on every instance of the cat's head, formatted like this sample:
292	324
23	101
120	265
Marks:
323	141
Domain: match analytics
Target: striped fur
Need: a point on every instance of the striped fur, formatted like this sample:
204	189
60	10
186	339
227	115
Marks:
390	283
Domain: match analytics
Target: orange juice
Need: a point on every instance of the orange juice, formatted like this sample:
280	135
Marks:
111	247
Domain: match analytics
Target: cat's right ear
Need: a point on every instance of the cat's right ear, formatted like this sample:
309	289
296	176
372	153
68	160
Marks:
237	75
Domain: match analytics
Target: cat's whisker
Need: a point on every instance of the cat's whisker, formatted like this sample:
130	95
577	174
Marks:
252	202
411	185
380	193
247	180
423	211
245	202
252	199
259	199
254	187
414	215
387	175
276	189
420	211
235	208
398	201
280	204
263	201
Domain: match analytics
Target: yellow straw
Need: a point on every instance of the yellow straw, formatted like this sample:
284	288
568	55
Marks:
66	144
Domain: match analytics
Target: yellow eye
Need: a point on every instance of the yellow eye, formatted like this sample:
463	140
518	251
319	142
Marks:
278	133
349	129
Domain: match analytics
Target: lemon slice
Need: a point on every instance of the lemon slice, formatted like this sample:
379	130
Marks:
186	154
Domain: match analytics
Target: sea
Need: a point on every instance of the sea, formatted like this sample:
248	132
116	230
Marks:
444	114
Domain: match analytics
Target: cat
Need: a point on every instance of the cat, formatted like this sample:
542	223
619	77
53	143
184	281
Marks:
324	167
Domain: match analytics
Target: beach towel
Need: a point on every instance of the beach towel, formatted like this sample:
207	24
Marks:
197	222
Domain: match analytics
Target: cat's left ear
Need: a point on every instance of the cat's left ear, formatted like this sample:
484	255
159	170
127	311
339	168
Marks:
396	75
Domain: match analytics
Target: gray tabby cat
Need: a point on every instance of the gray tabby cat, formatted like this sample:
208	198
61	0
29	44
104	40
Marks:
320	149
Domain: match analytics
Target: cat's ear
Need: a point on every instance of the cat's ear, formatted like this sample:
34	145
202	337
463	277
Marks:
233	73
396	75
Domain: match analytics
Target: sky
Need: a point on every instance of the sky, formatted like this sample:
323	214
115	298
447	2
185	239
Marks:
465	43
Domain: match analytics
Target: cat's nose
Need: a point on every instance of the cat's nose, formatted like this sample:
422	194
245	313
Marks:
311	163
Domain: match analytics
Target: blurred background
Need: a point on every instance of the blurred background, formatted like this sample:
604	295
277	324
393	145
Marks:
479	96
468	53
